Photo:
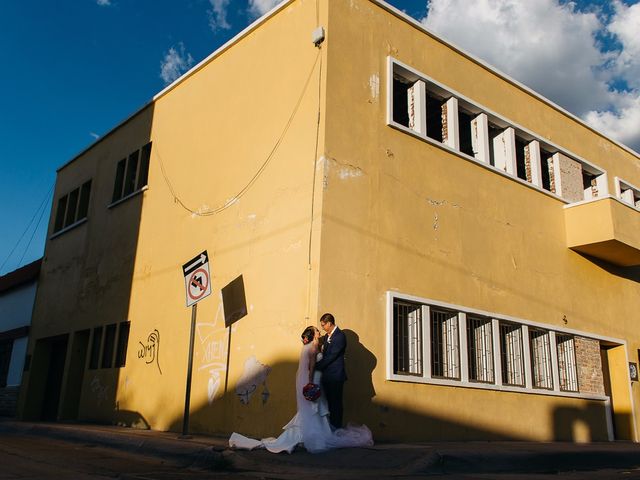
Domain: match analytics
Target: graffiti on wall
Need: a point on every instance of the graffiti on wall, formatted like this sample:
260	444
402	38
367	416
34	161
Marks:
212	354
254	376
150	351
99	390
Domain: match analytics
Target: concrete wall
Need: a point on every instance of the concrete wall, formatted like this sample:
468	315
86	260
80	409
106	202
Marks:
390	213
211	134
404	215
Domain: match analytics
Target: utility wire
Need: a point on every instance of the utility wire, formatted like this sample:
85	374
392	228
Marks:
255	177
42	210
40	207
315	157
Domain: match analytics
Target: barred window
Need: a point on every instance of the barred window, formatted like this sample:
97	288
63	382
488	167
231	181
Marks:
567	363
511	354
540	343
72	207
445	344
480	349
407	338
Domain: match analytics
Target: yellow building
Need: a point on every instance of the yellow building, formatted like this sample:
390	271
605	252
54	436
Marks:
477	243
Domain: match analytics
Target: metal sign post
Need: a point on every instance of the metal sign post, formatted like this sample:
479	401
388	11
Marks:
187	395
198	286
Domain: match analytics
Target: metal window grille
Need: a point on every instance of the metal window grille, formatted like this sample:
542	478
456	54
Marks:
567	369
540	343
480	348
445	344
511	354
407	338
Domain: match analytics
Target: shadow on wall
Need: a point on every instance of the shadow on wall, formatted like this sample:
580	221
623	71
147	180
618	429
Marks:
575	424
260	408
83	299
263	401
628	273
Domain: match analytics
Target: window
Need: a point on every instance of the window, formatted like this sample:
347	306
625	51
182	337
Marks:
542	375
567	363
445	344
132	173
123	339
511	354
427	345
407	338
72	207
545	159
466	132
6	347
627	193
440	115
109	345
96	343
480	348
521	162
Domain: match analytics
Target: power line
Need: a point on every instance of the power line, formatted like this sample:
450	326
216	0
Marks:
40	207
42	210
255	177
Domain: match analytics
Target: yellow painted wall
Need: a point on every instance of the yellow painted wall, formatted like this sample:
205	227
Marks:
403	215
391	213
211	134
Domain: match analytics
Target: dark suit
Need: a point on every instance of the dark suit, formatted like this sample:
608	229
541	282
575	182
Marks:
333	374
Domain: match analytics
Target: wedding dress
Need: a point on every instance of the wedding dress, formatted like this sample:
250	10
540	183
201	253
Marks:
310	425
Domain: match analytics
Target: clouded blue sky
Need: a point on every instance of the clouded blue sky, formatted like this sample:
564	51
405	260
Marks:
72	70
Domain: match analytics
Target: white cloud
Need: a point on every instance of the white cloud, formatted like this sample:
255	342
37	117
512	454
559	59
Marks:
621	122
104	3
260	7
218	15
554	49
625	25
94	135
176	61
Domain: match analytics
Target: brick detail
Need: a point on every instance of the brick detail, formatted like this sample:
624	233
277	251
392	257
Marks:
590	378
8	401
594	187
445	125
570	179
527	163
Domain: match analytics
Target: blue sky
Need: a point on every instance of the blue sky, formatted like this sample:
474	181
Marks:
71	70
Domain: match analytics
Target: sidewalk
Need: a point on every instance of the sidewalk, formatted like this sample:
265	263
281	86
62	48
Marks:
382	460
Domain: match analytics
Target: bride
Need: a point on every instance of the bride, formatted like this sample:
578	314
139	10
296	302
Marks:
310	425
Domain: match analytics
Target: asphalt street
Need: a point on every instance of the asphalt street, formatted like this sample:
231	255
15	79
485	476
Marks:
74	451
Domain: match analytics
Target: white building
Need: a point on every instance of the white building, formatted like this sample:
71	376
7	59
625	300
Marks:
17	296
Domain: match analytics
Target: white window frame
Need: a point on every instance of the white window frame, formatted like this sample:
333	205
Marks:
426	377
414	75
622	188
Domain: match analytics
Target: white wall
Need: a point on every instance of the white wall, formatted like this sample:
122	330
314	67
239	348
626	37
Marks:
16	306
16	365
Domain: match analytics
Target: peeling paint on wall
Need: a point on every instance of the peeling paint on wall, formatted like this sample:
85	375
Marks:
254	375
374	86
344	170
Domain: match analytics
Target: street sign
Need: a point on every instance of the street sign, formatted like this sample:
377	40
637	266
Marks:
197	279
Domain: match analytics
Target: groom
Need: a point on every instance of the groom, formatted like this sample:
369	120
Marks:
332	367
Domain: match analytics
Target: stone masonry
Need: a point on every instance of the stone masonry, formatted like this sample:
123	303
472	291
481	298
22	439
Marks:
590	378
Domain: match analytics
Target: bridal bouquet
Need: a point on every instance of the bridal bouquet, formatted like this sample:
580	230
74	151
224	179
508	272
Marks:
311	392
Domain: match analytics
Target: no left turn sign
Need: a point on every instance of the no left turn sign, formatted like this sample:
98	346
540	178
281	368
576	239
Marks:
197	279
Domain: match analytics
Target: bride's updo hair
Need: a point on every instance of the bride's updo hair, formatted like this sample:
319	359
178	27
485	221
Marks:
308	335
